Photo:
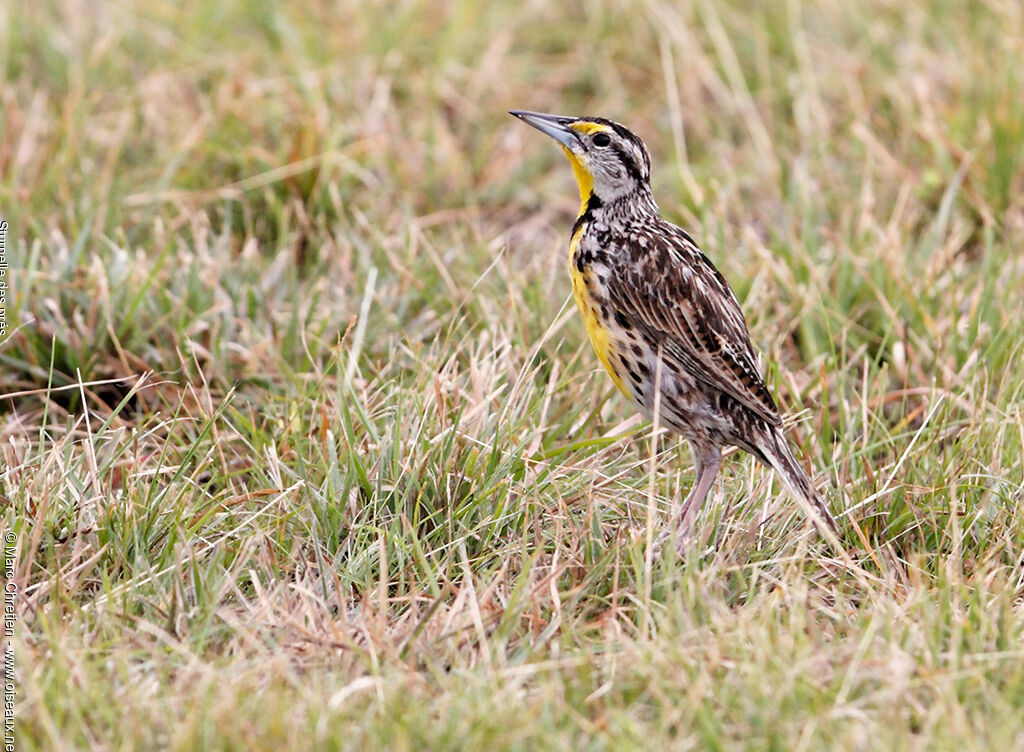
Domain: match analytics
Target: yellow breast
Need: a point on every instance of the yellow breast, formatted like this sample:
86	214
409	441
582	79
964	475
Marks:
598	333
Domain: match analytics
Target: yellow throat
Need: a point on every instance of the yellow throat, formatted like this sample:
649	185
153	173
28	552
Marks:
583	178
598	334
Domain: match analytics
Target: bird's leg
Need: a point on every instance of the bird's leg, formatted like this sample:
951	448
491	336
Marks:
706	461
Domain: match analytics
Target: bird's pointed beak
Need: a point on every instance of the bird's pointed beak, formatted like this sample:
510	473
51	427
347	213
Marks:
556	126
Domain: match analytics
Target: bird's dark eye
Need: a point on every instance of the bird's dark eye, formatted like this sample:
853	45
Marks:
601	140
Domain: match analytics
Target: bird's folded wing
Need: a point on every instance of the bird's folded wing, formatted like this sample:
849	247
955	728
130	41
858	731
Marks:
680	301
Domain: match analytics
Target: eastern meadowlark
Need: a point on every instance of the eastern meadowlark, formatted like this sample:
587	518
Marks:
662	319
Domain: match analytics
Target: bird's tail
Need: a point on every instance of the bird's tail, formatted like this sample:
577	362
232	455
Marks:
780	457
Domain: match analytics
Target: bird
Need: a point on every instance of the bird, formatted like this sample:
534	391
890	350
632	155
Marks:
663	320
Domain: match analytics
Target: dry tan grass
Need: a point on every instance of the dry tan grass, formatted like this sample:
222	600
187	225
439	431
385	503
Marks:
304	448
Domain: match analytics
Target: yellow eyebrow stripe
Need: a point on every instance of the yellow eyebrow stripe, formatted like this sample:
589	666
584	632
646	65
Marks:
588	128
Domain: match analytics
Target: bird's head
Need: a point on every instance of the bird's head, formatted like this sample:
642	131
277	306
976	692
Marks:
607	159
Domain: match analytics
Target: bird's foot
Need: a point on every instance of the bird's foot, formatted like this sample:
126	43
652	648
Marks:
684	540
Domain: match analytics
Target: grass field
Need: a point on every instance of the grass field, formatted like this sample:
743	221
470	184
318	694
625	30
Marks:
302	443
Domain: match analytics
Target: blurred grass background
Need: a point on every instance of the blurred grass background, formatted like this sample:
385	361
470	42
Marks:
304	446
